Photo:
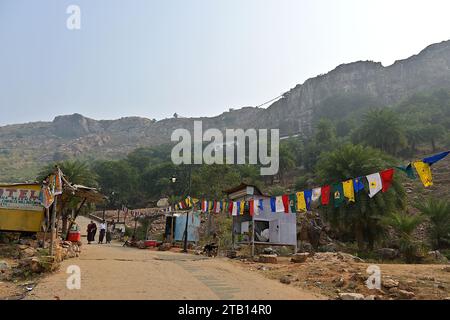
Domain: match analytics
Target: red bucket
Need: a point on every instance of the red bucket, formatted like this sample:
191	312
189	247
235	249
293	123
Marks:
150	243
74	236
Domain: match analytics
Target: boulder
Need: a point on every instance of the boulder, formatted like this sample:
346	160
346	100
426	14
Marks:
287	279
268	258
402	294
351	296
3	266
299	257
329	247
390	283
165	246
388	253
27	252
268	250
304	246
446	269
436	256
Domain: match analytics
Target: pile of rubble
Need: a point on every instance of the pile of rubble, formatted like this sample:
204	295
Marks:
25	257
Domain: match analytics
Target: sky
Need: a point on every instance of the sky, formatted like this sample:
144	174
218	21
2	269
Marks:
192	57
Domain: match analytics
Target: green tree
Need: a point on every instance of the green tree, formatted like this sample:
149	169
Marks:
381	129
360	220
404	225
438	213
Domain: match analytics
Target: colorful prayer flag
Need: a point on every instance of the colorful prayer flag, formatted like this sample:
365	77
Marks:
308	196
285	199
424	172
358	184
293	202
375	184
301	203
338	194
325	195
435	158
349	191
408	170
386	179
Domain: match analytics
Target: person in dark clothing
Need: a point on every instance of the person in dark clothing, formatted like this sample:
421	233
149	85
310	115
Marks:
102	231
91	231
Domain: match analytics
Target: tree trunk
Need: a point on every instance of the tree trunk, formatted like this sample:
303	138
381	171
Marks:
64	221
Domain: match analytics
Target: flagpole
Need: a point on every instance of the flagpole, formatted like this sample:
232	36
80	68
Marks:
187	213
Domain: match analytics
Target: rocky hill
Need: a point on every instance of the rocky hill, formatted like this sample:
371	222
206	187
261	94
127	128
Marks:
26	147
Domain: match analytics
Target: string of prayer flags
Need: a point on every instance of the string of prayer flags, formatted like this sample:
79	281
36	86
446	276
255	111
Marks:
424	172
375	184
386	178
349	191
308	195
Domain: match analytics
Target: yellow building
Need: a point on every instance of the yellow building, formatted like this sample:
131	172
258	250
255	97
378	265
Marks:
20	208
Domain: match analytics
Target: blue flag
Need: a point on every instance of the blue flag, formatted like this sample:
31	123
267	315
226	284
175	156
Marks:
238	205
273	206
358	184
261	205
308	195
436	157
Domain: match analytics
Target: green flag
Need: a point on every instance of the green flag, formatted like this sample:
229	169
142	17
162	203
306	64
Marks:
293	202
338	194
408	170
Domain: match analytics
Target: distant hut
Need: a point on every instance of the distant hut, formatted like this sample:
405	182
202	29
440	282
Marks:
264	227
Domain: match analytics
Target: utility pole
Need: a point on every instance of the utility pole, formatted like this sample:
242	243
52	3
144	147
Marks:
53	230
187	213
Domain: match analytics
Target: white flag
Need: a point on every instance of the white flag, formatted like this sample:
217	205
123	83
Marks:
375	184
279	206
234	211
256	206
316	193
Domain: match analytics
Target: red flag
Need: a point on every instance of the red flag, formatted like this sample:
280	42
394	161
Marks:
285	199
251	207
325	194
386	179
230	209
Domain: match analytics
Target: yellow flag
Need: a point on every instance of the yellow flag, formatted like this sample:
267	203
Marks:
424	172
301	203
241	211
349	192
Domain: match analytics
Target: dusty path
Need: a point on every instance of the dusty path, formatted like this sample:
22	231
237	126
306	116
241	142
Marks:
114	272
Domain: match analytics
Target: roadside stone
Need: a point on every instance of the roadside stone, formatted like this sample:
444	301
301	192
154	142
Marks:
27	252
268	250
402	294
299	257
351	296
165	247
370	297
436	256
390	283
339	282
268	258
286	279
3	266
446	269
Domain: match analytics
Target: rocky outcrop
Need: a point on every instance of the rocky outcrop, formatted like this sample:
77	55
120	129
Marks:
363	83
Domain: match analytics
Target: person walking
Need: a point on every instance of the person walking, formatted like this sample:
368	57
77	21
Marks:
109	229
102	232
91	231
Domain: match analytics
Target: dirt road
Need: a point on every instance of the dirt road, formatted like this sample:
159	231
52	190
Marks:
114	272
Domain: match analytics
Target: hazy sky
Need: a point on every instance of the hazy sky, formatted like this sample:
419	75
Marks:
194	57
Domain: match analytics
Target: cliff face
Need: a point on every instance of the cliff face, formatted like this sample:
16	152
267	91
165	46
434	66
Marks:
428	70
26	147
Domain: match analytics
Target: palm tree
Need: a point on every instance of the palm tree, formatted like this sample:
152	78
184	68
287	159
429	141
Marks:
381	129
404	225
359	220
76	172
438	213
